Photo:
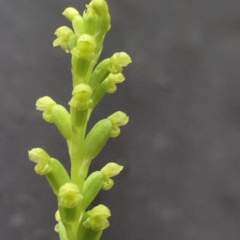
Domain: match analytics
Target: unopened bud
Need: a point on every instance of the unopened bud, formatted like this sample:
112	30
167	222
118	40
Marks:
111	169
78	25
100	7
70	13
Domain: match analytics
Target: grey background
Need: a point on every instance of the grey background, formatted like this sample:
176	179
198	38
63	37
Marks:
181	147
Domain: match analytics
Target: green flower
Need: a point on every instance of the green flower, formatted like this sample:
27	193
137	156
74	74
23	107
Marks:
97	219
63	34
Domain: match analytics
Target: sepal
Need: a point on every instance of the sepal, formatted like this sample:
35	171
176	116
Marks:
120	59
110	170
38	155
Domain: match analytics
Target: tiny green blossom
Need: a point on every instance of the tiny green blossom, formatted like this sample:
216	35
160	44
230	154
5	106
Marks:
118	119
110	170
97	219
63	35
81	97
113	80
69	195
45	105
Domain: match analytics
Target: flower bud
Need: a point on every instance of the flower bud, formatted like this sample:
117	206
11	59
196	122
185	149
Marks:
81	97
70	13
118	119
86	46
121	59
100	7
89	18
38	155
69	195
97	219
45	104
97	138
78	25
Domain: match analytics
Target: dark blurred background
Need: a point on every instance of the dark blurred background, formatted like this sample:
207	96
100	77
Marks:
181	148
